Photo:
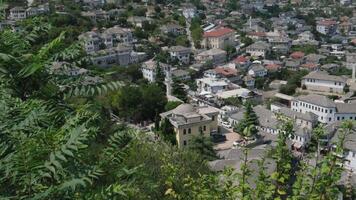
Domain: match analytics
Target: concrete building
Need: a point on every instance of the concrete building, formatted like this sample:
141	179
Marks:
218	38
326	26
326	110
323	82
120	55
17	13
258	49
182	54
216	56
189	121
211	85
91	40
149	69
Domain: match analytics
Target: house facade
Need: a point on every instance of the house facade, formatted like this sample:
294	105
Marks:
323	82
182	54
189	121
326	110
258	49
218	38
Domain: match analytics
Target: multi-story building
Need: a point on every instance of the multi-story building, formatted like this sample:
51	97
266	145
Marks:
257	70
111	37
189	121
326	26
258	49
120	55
323	82
17	13
149	69
320	105
326	110
212	85
182	54
218	38
91	40
216	56
118	35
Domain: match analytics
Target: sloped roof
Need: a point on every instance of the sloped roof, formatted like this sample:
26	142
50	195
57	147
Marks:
322	75
317	100
218	32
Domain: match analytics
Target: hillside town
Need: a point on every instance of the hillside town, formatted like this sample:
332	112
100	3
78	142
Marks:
231	71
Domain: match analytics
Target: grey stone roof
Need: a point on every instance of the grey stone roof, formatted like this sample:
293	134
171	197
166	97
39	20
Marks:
256	67
259	45
308	116
350	140
266	117
179	49
346	107
322	75
317	100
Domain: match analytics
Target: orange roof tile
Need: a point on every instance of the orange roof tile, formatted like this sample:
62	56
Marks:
218	32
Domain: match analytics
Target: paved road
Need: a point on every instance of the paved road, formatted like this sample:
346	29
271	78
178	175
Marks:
187	22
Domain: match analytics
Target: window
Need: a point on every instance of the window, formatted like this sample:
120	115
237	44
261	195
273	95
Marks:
329	119
189	131
321	117
184	143
343	118
204	128
213	118
350	117
331	111
184	131
338	118
326	111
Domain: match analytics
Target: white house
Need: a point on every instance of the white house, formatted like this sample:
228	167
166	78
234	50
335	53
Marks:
323	82
326	110
320	105
149	69
189	12
17	13
212	85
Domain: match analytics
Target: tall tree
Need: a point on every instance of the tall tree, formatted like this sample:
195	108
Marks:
247	126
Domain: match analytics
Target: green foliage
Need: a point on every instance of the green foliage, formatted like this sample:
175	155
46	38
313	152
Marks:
247	126
138	103
293	82
172	105
203	146
341	71
179	91
307	49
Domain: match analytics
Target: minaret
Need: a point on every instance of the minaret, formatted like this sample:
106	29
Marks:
351	64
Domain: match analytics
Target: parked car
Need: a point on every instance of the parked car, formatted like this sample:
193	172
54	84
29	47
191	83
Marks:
226	124
216	138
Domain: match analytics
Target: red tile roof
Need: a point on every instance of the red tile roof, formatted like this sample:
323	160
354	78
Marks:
259	34
327	22
226	71
240	59
297	55
309	65
272	67
218	32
